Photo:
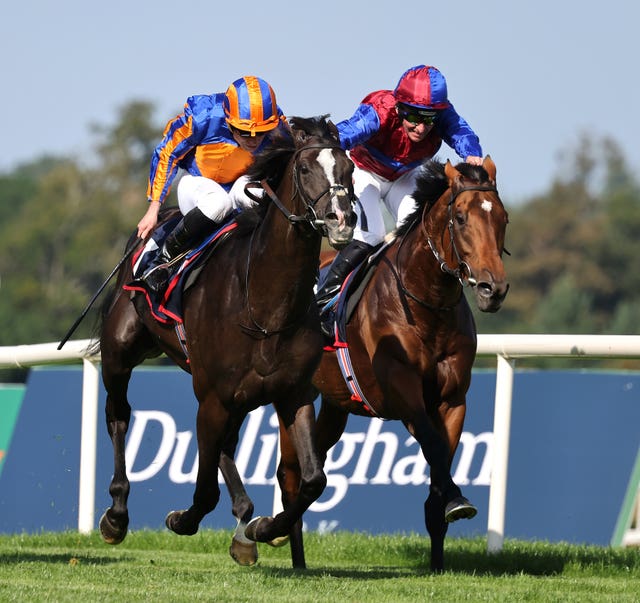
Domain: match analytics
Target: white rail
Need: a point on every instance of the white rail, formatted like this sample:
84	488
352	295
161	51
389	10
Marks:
507	348
23	356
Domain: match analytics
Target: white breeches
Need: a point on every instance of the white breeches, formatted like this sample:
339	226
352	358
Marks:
372	191
212	200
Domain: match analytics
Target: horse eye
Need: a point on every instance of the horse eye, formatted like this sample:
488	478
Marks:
304	168
460	219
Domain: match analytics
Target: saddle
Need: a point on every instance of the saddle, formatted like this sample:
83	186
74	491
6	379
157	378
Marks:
166	307
335	315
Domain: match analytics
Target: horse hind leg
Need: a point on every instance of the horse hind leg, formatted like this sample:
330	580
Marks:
330	425
300	429
114	522
124	344
289	479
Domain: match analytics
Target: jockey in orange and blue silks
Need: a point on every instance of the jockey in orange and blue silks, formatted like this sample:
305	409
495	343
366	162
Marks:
390	135
200	140
213	140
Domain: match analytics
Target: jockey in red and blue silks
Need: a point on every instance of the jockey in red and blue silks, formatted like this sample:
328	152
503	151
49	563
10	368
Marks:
389	136
213	140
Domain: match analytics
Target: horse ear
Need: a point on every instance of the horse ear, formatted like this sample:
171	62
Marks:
333	131
451	173
490	168
299	136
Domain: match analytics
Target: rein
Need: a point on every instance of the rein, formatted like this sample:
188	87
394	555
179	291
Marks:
463	268
310	218
459	272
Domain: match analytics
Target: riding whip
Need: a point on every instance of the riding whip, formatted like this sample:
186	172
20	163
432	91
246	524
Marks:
125	257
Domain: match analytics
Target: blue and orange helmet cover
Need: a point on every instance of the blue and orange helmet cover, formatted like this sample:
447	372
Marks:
250	105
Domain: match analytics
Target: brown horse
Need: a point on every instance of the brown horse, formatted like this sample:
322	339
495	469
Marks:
252	328
412	337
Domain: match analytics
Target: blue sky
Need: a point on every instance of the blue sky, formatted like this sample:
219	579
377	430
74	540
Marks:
530	77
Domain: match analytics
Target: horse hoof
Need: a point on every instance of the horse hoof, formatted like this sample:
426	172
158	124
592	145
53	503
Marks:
174	522
110	532
253	530
243	553
257	530
459	508
278	541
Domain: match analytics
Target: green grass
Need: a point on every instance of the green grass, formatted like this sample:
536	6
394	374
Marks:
160	566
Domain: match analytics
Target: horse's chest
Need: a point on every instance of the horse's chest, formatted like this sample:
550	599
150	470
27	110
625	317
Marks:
276	365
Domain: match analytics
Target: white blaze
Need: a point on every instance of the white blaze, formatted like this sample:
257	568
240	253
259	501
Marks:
486	205
327	161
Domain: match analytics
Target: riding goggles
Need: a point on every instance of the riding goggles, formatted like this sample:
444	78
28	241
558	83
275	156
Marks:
417	118
246	133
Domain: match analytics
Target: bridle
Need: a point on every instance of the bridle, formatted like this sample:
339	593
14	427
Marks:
462	272
310	217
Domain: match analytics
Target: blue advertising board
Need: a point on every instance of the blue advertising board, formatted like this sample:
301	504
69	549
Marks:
574	441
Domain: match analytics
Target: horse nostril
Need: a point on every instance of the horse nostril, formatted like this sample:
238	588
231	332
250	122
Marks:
485	289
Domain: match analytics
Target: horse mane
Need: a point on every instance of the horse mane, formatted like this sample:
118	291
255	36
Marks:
271	163
431	183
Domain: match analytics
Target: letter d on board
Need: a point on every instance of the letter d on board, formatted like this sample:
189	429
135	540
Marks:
141	418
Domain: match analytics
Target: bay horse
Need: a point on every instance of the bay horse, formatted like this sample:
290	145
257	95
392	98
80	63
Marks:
252	327
412	337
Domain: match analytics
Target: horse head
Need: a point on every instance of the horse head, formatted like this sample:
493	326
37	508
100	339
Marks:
323	177
473	241
477	226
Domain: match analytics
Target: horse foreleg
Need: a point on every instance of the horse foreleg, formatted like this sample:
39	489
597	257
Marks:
210	427
437	529
299	424
445	503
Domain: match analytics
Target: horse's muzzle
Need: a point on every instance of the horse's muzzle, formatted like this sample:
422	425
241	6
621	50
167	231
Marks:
490	294
339	228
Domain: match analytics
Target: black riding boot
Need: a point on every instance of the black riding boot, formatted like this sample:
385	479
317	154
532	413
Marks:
346	260
189	231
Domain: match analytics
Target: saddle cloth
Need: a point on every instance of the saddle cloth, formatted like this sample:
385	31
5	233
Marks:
335	317
166	307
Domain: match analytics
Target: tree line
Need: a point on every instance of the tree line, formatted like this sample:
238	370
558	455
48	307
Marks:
573	266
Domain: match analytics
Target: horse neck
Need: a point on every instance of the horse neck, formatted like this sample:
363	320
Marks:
284	255
419	269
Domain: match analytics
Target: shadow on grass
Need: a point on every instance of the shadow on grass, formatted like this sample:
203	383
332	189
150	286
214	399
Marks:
534	559
62	558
